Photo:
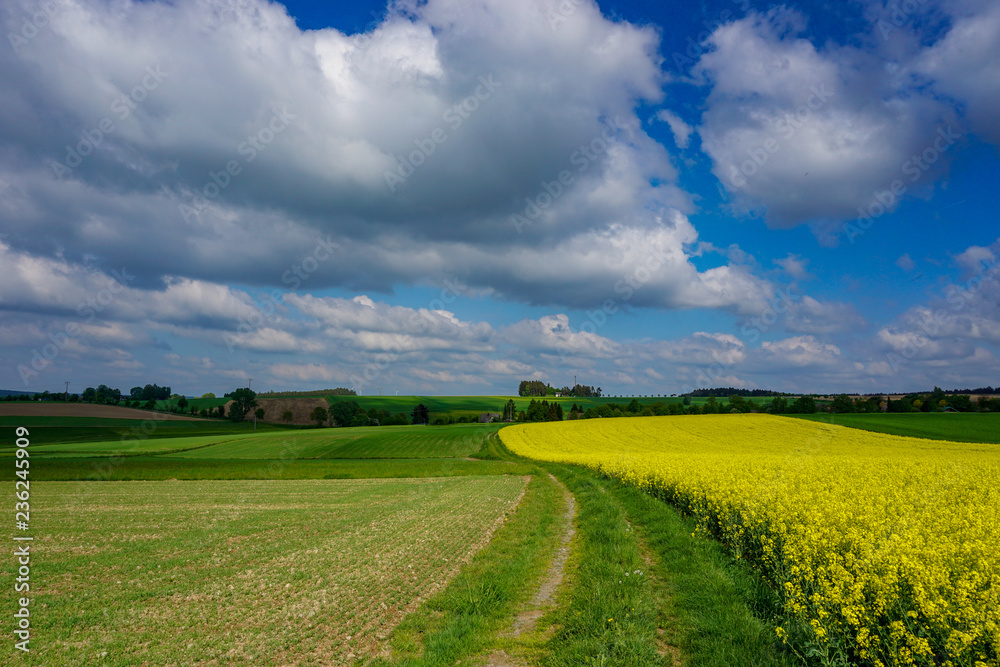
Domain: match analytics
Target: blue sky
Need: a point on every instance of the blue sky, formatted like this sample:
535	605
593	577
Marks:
448	197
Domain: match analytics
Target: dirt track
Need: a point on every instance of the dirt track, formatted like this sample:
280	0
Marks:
83	410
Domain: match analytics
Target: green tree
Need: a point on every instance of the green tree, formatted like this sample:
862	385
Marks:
421	415
961	402
244	400
259	413
510	411
344	412
287	416
804	405
779	405
319	415
182	403
842	404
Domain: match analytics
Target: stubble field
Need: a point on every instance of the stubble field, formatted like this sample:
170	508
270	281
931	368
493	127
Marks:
309	572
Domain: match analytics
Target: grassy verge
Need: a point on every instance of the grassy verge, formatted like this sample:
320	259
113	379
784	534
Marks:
462	620
610	617
644	590
716	610
155	468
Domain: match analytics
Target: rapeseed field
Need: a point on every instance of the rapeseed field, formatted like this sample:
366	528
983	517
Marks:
885	550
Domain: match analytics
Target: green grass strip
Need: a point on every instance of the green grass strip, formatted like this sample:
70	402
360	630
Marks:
718	611
464	618
611	615
157	468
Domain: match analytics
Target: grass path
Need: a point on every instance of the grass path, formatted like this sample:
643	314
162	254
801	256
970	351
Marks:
545	594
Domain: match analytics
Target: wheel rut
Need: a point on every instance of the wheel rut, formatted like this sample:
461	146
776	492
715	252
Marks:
544	598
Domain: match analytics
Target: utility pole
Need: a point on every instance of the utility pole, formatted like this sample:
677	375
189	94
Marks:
250	383
67	392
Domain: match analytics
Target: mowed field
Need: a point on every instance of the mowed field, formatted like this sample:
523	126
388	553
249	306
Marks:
961	427
245	572
883	549
383	442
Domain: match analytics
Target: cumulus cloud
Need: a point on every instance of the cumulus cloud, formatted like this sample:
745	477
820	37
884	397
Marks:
681	130
808	134
236	147
964	66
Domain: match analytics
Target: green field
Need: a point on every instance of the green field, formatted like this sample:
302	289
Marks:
473	406
384	442
958	427
245	572
62	430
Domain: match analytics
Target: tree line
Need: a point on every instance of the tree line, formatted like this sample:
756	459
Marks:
539	388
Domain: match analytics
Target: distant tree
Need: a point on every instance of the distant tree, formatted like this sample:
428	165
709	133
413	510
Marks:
244	400
686	400
203	412
287	416
135	393
319	415
208	395
842	404
961	402
89	395
804	405
221	411
532	388
510	411
344	412
421	415
182	403
778	405
259	413
738	404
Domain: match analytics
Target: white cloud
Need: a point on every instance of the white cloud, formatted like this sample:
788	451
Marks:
795	266
798	351
964	66
809	134
682	131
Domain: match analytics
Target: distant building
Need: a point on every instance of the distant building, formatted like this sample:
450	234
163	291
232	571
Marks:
487	417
